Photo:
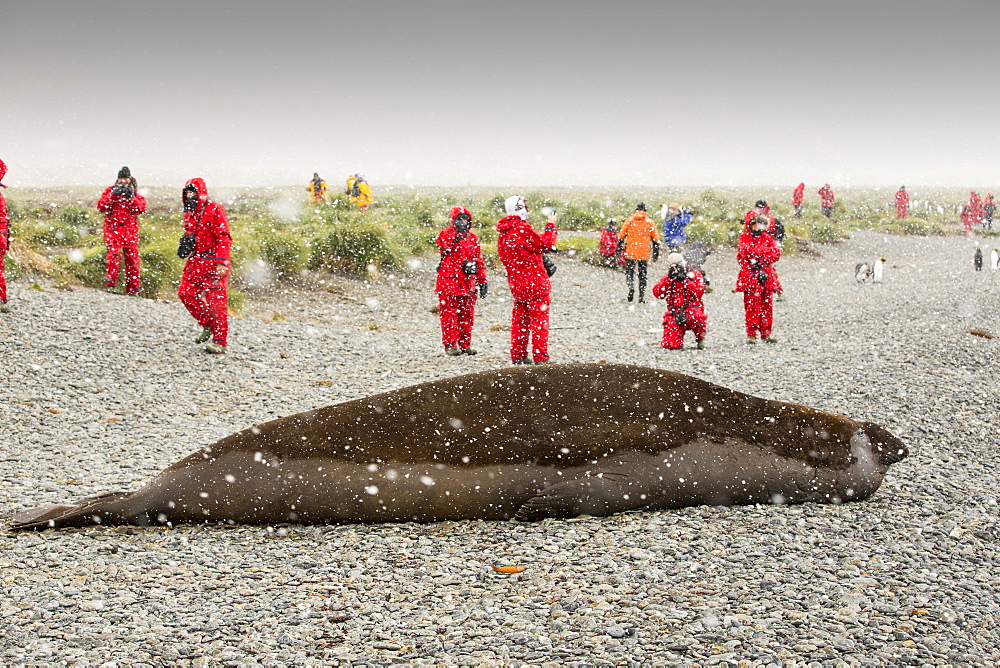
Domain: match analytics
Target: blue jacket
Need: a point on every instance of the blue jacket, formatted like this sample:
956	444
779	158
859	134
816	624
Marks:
673	229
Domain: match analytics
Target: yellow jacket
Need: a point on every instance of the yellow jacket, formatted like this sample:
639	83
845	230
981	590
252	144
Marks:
639	233
317	190
365	197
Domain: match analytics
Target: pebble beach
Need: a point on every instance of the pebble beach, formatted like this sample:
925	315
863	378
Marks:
103	391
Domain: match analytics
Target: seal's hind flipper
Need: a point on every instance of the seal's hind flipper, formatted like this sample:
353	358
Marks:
614	487
62	515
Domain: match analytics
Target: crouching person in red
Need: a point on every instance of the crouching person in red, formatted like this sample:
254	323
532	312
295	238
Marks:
757	279
682	289
121	205
461	274
206	244
521	251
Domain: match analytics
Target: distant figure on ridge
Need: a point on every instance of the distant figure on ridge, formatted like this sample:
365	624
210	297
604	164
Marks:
826	199
989	208
121	205
797	196
902	203
976	208
317	189
359	192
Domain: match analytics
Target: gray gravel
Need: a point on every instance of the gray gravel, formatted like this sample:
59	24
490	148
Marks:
101	392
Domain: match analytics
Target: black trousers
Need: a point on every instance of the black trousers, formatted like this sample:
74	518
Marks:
630	266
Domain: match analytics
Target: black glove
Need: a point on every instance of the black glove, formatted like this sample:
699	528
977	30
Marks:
621	246
656	251
484	289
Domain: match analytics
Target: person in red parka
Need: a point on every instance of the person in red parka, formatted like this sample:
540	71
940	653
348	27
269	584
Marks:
826	199
461	274
608	248
797	196
902	203
204	284
4	240
968	218
521	252
121	205
757	279
683	290
976	208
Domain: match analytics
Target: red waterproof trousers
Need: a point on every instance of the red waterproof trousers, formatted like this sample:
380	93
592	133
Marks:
529	317
130	249
458	315
758	309
205	295
673	334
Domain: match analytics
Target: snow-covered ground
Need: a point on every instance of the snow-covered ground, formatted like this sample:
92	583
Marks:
100	392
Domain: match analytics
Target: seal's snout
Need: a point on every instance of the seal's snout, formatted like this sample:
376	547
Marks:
888	447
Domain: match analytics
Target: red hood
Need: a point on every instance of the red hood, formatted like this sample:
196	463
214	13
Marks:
199	184
455	212
508	222
3	171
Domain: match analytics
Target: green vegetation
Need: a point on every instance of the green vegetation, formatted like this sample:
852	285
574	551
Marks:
278	234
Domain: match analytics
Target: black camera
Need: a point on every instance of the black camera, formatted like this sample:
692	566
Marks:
676	272
122	191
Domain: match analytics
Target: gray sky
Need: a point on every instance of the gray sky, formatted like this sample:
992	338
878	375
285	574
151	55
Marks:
512	93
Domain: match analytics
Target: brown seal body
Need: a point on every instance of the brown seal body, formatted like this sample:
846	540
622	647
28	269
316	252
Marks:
526	442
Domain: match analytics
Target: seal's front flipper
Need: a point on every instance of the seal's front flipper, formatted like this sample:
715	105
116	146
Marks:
613	487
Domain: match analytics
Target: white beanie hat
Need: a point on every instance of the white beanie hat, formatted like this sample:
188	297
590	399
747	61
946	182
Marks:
514	206
676	258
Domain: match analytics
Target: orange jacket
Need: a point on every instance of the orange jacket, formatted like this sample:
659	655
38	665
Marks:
639	233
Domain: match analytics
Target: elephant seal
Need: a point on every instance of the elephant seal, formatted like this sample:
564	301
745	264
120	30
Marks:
525	442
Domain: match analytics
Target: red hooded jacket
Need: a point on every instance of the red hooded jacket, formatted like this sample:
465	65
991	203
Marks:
209	225
764	249
798	194
826	195
456	249
520	249
121	216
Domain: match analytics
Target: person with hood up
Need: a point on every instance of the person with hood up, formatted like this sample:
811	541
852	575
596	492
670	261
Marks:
608	247
359	192
760	208
317	189
204	284
674	235
797	196
902	203
683	289
757	279
121	205
521	252
4	240
826	199
461	274
642	243
976	207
